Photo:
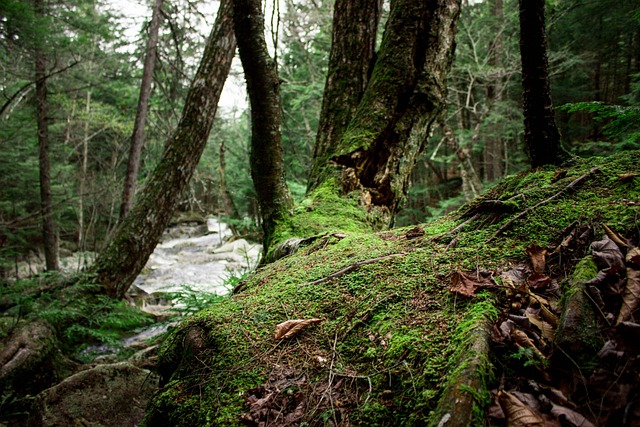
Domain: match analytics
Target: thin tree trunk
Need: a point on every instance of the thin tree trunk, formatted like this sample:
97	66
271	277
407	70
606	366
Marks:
49	235
263	87
493	148
355	24
137	138
229	207
541	134
136	237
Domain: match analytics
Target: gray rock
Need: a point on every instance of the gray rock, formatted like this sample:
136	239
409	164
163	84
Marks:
107	395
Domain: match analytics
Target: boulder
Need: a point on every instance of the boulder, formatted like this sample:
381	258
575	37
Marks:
106	395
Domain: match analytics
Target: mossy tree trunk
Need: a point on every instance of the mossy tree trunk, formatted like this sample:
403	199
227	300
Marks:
355	24
263	87
403	98
541	134
389	114
136	237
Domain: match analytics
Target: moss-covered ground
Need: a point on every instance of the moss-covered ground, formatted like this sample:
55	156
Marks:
392	336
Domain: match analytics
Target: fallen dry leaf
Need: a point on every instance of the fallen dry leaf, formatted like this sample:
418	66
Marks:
607	254
539	281
631	296
466	283
518	414
547	330
523	340
538	258
569	417
617	239
290	328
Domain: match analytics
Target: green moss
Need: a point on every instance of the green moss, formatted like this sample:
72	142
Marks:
393	339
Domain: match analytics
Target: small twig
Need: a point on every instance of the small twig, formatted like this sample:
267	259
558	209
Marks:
351	268
570	186
473	218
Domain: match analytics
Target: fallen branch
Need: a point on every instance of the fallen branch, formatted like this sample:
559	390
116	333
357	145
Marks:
458	227
571	186
351	268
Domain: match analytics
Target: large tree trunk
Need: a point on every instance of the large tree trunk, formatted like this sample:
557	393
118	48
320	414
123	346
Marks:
137	138
263	87
404	96
350	65
541	134
49	235
137	235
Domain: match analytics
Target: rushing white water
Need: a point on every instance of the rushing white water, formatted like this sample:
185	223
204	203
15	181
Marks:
196	258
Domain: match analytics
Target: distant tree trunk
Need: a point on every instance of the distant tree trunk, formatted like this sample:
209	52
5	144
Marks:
49	235
350	64
137	138
263	87
229	207
138	234
541	134
493	157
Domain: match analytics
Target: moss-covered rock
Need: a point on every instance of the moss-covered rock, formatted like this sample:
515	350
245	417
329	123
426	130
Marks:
395	346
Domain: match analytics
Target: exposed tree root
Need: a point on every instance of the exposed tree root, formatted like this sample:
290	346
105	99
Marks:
351	268
571	186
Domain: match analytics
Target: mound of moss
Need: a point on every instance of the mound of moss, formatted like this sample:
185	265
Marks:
394	346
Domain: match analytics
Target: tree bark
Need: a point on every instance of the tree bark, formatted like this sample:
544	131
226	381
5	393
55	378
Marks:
49	236
137	137
263	87
493	167
541	134
355	24
405	95
136	237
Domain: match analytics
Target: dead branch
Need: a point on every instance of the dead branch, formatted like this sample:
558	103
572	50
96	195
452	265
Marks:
571	186
353	267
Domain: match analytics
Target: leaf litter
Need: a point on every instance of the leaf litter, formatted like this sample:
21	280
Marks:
535	389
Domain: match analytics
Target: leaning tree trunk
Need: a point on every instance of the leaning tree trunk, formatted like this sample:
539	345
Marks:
403	98
49	235
541	134
136	237
263	87
137	137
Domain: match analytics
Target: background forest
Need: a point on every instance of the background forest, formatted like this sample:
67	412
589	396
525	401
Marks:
92	59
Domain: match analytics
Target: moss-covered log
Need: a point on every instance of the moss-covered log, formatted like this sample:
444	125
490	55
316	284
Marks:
394	346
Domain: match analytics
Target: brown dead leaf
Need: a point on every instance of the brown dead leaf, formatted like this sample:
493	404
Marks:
546	329
617	239
523	340
549	316
631	296
538	258
291	328
569	417
607	254
466	283
518	414
539	281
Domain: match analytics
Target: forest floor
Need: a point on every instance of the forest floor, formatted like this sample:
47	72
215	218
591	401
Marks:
518	309
486	316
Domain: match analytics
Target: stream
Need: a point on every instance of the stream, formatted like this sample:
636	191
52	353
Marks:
195	257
